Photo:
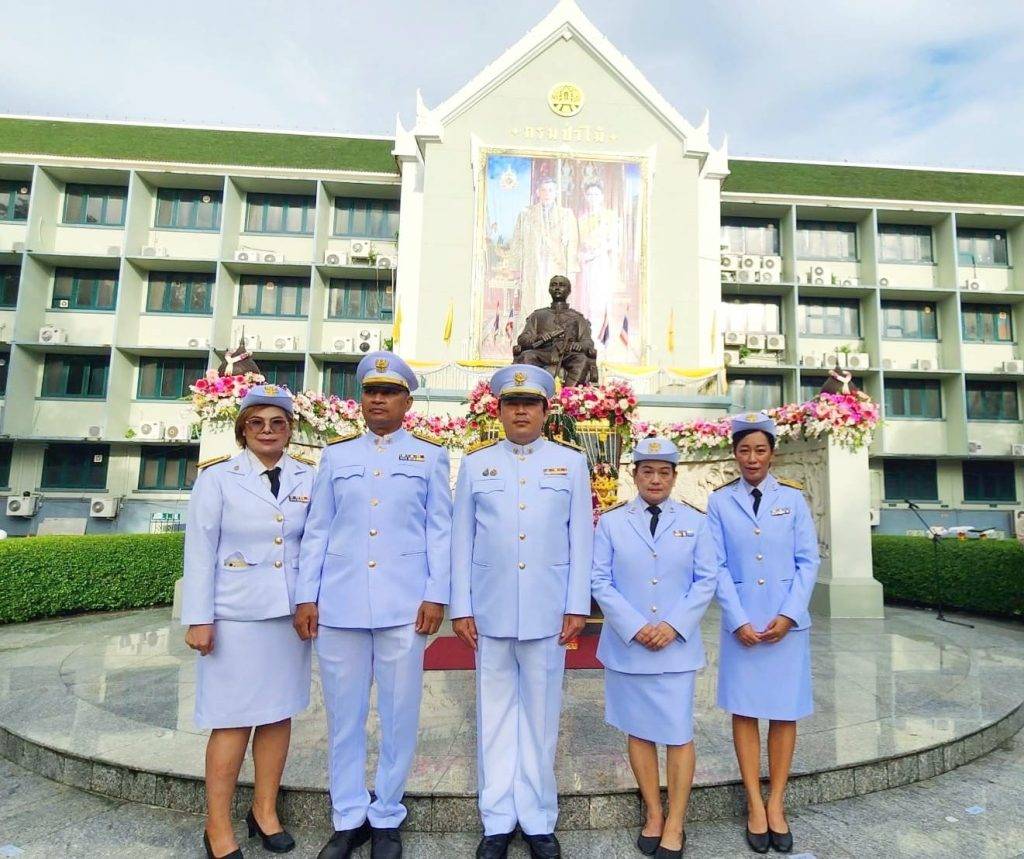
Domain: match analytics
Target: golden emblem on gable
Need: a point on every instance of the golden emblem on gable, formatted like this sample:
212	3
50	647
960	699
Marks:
565	99
381	364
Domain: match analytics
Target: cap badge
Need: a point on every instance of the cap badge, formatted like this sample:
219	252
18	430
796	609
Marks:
270	390
752	416
519	378
654	446
381	364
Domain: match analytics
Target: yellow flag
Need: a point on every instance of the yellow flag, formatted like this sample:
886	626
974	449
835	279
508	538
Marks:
396	324
672	330
714	330
449	321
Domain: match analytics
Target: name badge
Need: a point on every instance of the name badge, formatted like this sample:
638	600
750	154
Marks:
781	511
301	499
682	533
556	469
411	457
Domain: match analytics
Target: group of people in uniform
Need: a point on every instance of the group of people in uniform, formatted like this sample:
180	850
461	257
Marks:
359	558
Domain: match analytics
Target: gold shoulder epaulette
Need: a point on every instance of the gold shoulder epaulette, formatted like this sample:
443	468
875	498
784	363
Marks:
305	460
213	460
480	445
346	437
423	435
614	507
727	483
693	506
792	484
567	444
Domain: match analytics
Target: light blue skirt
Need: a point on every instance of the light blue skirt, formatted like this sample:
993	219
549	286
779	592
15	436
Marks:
653	707
766	681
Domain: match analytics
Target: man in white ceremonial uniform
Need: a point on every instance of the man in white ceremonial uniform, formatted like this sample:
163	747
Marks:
522	548
374	577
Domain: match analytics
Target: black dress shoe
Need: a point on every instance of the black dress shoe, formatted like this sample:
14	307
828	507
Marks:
386	844
345	841
494	846
279	842
647	844
758	841
667	853
782	842
234	854
543	846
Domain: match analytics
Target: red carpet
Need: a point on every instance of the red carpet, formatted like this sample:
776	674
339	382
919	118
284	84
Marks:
448	653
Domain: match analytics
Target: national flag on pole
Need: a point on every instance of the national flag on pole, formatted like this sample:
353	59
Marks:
495	324
396	324
510	323
714	330
449	323
671	330
624	331
602	335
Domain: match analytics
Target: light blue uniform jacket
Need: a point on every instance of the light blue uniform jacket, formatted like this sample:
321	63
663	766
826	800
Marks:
522	539
242	543
640	579
378	538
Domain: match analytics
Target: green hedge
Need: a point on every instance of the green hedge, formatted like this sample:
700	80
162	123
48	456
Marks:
975	575
43	576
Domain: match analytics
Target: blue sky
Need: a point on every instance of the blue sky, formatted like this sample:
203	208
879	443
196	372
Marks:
901	81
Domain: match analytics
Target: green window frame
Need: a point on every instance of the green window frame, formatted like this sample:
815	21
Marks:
288	374
829	317
751	393
75	466
6	454
992	401
365	218
989	481
909	320
169	469
340	379
182	292
188	209
987	323
272	295
10	277
85	289
914	479
5	364
95	205
905	243
913	398
14	199
758	236
289	214
826	240
810	386
752	314
981	247
168	378
75	376
350	298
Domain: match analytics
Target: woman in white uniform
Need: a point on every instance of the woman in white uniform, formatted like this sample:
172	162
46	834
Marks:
653	600
245	520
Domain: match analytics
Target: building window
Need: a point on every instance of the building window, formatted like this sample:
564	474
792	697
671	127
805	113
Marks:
839	317
752	315
810	386
6	452
180	292
992	401
758	236
361	218
753	393
9	278
75	376
913	398
987	323
981	247
184	209
85	289
293	214
340	379
905	242
990	481
913	479
99	205
75	466
5	363
826	240
273	296
168	468
168	378
14	197
360	299
909	320
286	373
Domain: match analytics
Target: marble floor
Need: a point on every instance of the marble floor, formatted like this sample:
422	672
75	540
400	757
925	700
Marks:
119	688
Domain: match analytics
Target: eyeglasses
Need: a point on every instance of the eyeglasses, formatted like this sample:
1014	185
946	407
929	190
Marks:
276	425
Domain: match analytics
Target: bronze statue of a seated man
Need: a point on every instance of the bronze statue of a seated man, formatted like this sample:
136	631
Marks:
559	339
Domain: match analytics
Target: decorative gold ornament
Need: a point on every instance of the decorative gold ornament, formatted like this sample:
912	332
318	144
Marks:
565	99
381	364
519	378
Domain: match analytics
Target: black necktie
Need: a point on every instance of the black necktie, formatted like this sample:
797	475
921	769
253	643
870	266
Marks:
757	498
655	512
275	479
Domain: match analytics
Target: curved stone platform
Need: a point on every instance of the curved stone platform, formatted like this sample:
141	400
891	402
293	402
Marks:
104	702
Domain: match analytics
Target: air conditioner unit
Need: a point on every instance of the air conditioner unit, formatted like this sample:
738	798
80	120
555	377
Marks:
1017	449
104	506
248	256
883	282
766	276
151	430
730	262
974	447
858	361
750	262
734	338
49	334
334	258
18	247
1016	367
771	263
810	360
367	341
755	341
730	357
970	283
346	345
888	364
924	364
815	272
95	431
155	251
286	344
178	432
114	250
849	281
874	517
834	360
775	343
22	506
385	261
745	276
359	250
197	343
728	277
272	257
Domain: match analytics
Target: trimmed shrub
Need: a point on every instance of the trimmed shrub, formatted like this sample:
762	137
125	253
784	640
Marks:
974	575
44	576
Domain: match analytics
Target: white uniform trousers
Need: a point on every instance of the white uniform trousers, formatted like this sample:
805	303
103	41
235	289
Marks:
519	699
350	660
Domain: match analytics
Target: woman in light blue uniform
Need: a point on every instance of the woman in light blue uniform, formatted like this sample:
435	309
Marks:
653	600
763	548
245	520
